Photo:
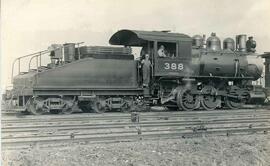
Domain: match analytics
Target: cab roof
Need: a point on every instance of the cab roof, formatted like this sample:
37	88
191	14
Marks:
266	55
138	38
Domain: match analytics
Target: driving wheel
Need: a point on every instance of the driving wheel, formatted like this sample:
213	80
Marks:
210	100
186	100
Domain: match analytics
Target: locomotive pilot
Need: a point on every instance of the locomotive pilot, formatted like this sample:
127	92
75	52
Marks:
146	66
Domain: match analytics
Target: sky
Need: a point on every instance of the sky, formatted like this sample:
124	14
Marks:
29	26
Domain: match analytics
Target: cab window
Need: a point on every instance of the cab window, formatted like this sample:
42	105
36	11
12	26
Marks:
166	50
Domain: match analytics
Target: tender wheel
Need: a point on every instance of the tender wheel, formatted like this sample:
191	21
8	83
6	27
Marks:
69	106
36	106
99	107
186	100
210	100
233	103
126	108
128	105
68	110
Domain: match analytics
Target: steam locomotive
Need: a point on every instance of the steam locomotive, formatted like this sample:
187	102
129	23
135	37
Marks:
196	74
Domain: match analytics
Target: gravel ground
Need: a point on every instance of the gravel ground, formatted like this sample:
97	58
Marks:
247	150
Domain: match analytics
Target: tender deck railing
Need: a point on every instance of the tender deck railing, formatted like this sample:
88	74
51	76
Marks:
36	55
23	57
38	60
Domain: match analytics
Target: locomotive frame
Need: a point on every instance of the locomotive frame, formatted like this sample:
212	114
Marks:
192	77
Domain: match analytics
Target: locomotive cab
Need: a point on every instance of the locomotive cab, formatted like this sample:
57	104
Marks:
167	70
177	50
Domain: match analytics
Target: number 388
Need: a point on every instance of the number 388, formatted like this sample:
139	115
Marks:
174	66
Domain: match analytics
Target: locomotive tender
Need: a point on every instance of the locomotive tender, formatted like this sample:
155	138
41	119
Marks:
196	73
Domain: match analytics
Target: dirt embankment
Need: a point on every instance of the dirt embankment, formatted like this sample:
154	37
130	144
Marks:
250	150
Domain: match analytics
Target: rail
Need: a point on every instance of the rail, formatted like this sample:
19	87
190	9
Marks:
36	55
48	130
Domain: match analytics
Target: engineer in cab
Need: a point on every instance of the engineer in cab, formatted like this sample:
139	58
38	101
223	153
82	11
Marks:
161	51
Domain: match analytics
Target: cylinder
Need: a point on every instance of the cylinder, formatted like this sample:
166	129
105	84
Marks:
69	52
241	43
197	41
213	43
228	44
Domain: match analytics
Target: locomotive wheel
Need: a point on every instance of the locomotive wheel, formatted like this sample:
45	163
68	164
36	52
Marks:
99	107
233	103
35	106
128	104
186	100
67	110
210	100
69	106
125	108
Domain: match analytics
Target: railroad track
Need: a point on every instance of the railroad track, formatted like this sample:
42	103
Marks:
44	131
115	115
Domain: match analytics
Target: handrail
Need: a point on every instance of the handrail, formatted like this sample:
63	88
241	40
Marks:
48	51
36	54
19	58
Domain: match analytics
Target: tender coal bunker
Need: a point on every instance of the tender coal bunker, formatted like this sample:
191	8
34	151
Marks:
102	52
